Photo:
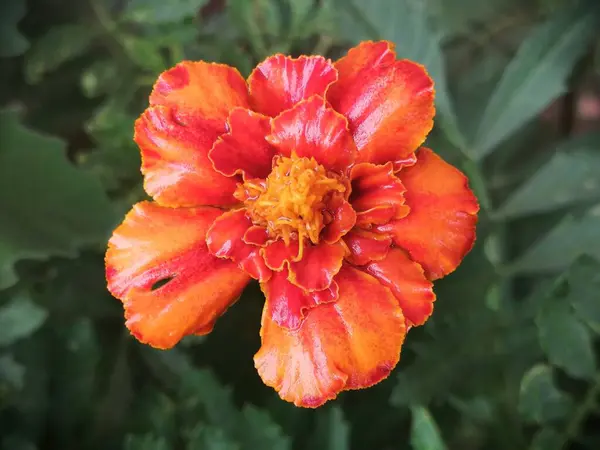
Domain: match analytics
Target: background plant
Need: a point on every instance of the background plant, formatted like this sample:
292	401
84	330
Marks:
509	359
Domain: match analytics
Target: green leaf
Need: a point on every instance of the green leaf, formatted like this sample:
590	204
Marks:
424	432
261	431
565	340
539	399
547	439
49	207
143	52
57	46
569	177
20	318
567	241
99	77
258	21
159	11
203	437
146	442
332	431
536	75
584	291
12	376
406	23
12	43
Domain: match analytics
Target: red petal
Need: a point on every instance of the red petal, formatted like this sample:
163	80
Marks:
287	304
440	229
319	264
366	247
224	240
350	344
377	194
343	219
208	90
243	149
175	160
407	281
389	104
279	82
276	253
155	244
256	235
312	129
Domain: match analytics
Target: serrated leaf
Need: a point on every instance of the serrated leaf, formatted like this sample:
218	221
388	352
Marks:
424	432
547	439
565	340
332	431
536	75
20	318
406	23
159	11
261	431
539	399
584	291
571	176
567	241
49	207
57	46
12	42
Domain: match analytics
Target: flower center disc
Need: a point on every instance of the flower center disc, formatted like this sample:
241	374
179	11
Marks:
292	198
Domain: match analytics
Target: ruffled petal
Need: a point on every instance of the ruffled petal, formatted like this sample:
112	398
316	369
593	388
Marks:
319	264
287	304
209	90
225	240
366	246
256	235
350	344
156	245
377	194
175	164
342	216
312	129
279	82
388	103
440	229
407	281
277	253
243	149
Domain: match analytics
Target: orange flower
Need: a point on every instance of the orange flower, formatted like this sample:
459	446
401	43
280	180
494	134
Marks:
307	177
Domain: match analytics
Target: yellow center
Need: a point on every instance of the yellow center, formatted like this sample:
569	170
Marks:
292	200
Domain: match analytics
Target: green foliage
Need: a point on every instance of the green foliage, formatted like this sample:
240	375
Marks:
509	359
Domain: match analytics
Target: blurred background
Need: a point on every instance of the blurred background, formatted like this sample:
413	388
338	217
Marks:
509	359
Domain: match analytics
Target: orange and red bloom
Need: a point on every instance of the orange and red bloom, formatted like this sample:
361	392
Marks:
307	177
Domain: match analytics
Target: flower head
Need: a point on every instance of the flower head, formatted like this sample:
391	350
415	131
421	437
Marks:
307	177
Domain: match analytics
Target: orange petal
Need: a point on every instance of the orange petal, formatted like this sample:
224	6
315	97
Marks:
319	264
277	253
388	103
225	240
440	228
279	82
365	246
204	89
407	281
343	218
312	129
175	164
243	149
350	344
156	244
287	304
377	194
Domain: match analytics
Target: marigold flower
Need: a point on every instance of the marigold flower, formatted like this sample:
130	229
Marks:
307	177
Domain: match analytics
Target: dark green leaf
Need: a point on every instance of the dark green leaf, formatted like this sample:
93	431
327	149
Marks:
143	52
539	399
584	291
12	43
332	431
536	75
146	442
564	339
99	78
59	45
211	438
547	439
19	318
49	207
12	376
424	432
570	176
261	431
158	11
